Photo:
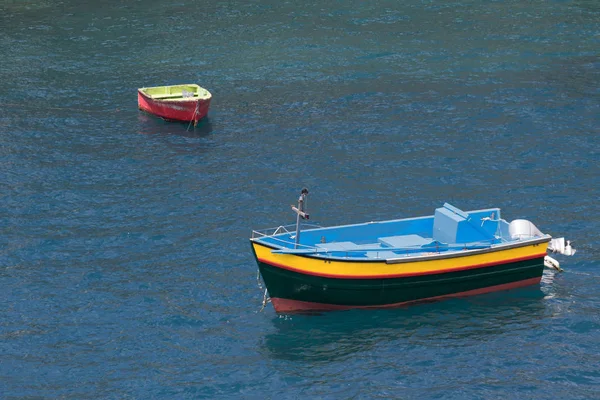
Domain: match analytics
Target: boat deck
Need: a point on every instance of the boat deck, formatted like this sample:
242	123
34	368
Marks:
383	249
399	241
449	230
386	247
395	246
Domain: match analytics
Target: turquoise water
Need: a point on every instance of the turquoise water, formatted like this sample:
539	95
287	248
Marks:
125	266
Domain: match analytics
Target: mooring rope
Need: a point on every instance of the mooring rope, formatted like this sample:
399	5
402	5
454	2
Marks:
266	299
194	116
258	279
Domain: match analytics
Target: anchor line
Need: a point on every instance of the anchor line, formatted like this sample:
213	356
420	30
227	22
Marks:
266	298
258	279
194	116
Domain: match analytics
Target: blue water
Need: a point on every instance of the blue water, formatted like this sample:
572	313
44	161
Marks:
125	266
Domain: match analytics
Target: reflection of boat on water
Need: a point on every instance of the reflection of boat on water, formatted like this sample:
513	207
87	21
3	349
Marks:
391	263
329	337
150	126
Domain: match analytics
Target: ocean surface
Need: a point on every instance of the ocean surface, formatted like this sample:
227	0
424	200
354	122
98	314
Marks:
125	266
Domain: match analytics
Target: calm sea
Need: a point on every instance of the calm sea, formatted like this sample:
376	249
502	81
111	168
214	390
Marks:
125	266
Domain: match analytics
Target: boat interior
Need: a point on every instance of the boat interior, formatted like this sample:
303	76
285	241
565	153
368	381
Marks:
449	229
175	92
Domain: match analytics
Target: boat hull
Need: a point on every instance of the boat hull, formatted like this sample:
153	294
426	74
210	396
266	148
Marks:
292	289
192	110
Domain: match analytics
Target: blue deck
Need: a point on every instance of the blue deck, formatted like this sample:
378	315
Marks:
449	229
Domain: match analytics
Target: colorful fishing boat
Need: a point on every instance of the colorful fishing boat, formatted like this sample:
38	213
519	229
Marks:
188	103
392	263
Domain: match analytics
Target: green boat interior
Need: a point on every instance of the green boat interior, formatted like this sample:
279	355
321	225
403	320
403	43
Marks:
176	92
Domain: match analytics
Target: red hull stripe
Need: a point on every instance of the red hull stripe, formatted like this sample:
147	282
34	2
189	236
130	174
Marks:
385	276
286	305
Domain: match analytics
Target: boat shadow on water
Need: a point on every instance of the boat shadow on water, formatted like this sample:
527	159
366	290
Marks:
454	322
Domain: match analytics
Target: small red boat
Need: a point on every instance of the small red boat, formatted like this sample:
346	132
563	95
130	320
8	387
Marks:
187	103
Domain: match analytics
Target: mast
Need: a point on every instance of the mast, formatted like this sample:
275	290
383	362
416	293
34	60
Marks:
300	213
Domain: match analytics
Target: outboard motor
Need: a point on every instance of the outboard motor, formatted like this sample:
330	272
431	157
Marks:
562	246
523	229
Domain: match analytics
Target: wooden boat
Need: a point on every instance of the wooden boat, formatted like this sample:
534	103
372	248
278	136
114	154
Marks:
391	263
188	103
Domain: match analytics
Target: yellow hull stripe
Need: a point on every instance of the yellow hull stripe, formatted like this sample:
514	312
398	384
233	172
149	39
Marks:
353	269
